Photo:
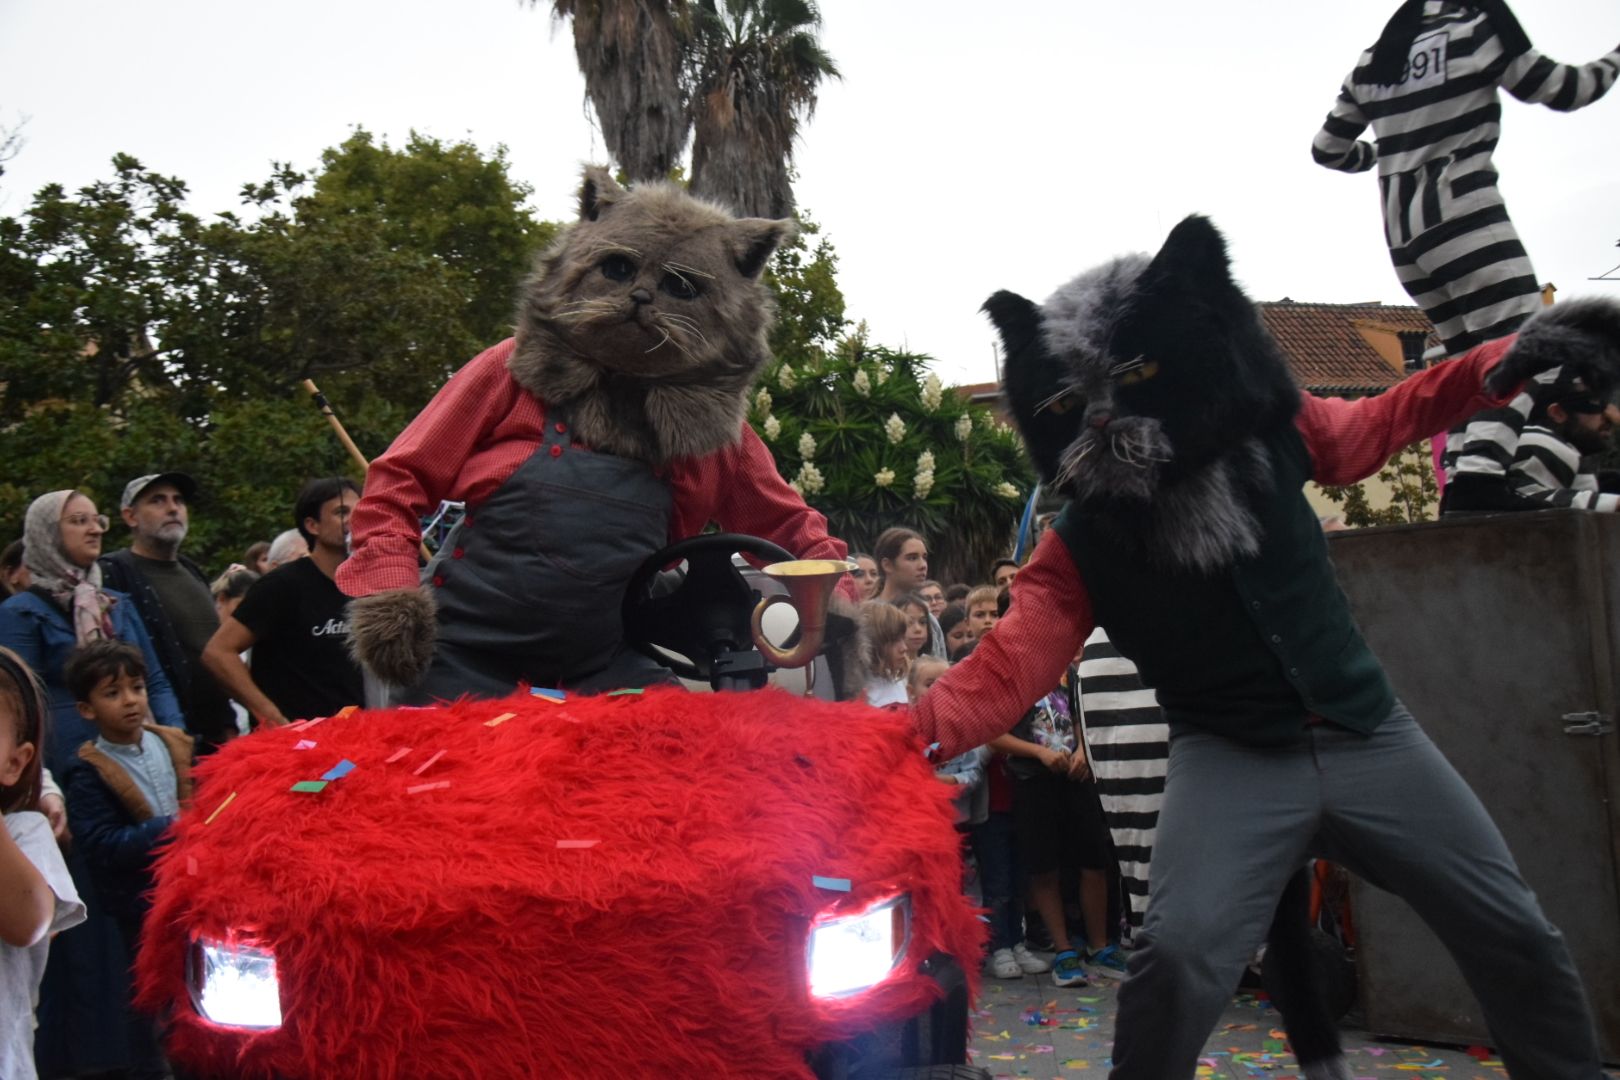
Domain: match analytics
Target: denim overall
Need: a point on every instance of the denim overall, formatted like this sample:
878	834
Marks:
530	582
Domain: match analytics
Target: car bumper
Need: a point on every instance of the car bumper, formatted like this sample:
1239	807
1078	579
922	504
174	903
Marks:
931	1044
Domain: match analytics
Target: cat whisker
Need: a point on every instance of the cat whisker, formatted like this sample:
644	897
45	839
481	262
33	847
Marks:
1064	392
1128	365
660	344
679	270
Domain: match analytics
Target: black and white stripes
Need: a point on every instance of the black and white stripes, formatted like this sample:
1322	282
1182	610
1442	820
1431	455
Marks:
1128	744
1547	470
1448	231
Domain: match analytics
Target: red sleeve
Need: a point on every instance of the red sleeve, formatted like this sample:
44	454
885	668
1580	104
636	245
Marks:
740	488
1014	664
426	464
1350	440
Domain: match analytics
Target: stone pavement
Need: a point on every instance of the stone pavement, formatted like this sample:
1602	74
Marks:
1029	1027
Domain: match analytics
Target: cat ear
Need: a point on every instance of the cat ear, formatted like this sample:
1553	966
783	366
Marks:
1016	319
754	239
1195	250
597	192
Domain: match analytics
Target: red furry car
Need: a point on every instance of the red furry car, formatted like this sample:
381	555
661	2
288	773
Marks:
654	883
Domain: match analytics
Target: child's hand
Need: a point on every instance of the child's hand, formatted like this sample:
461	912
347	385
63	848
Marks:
1055	760
55	811
1079	767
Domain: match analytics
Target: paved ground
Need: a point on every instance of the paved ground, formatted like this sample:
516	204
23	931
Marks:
1031	1028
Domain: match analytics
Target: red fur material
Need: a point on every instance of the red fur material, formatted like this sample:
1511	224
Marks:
446	934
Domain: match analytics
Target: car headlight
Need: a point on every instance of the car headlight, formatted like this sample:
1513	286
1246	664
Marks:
850	953
233	984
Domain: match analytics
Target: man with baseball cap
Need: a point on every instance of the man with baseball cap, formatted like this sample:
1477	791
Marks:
171	594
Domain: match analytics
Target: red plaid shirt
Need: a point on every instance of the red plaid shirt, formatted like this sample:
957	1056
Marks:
1026	653
482	425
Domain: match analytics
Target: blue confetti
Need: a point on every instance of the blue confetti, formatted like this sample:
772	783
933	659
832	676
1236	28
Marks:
339	771
831	884
554	695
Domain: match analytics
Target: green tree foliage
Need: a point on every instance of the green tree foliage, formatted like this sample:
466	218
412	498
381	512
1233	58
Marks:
136	335
872	439
1414	494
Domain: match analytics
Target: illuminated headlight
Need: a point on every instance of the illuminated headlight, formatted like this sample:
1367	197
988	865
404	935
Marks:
849	953
234	985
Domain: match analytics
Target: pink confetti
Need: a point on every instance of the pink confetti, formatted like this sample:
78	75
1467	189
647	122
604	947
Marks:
311	723
422	768
427	787
499	720
305	744
191	865
577	843
396	755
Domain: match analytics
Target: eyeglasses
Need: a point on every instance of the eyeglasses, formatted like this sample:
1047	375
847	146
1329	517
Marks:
80	521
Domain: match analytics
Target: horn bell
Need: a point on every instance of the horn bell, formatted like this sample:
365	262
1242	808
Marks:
809	584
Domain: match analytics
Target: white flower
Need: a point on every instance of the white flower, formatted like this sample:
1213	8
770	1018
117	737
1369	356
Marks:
964	427
784	378
762	400
925	461
773	427
1006	490
883	477
863	384
932	392
883	374
894	427
924	484
810	480
807	446
794	484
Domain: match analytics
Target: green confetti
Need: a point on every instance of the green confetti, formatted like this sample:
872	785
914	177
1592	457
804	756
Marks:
309	785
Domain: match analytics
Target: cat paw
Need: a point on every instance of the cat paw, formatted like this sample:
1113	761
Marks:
391	634
1582	334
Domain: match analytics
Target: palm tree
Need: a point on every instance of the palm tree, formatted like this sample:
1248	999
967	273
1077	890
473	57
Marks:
632	54
755	67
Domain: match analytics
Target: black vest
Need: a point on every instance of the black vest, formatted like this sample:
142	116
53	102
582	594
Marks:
1247	652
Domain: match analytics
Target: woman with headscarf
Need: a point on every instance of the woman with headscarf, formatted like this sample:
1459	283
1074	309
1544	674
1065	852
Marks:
87	981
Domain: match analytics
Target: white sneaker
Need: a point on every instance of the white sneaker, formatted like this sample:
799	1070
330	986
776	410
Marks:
1003	965
1028	962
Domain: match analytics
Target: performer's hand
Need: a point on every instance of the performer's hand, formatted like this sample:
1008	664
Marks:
1582	333
392	634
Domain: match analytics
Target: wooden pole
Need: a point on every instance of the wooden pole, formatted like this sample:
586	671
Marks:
325	408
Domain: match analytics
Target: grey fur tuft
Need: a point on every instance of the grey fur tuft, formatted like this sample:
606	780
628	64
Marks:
1583	334
1078	317
1205	523
392	633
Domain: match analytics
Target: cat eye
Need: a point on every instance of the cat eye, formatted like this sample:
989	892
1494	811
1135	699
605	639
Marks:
618	268
1142	373
679	287
1060	404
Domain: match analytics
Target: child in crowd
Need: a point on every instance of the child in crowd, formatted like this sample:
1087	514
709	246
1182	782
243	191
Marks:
958	632
1059	824
918	633
966	771
982	610
884	653
228	590
37	899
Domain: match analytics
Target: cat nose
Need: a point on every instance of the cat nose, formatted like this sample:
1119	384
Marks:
641	296
1099	420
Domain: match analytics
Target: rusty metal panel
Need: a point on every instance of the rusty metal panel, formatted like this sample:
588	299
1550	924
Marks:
1492	631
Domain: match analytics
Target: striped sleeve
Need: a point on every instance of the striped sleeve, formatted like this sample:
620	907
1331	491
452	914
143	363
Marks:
1547	469
1486	443
1534	78
1339	145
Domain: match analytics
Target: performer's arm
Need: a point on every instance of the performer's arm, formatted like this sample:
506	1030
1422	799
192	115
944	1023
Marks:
1016	663
1534	78
1339	145
1351	440
414	474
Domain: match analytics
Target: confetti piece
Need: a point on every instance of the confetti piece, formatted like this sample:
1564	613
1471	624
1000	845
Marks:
305	744
308	786
422	768
549	695
577	843
932	749
347	710
427	787
191	865
831	884
396	755
499	720
209	820
297	725
339	771
311	723
623	693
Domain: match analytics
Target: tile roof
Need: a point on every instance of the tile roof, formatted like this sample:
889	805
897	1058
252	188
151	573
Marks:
1327	347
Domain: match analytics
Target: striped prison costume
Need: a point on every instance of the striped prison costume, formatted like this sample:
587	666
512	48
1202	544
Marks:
1499	461
1453	245
1128	745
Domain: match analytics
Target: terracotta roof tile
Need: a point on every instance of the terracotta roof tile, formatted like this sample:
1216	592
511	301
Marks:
1326	349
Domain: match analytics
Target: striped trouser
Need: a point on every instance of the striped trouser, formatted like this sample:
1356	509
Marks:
1457	254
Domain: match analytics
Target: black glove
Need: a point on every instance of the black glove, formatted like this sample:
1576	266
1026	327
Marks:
1582	334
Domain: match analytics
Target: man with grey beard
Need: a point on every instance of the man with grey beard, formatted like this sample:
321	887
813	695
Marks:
171	594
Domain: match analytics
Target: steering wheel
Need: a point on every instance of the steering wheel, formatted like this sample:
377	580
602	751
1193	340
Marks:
704	616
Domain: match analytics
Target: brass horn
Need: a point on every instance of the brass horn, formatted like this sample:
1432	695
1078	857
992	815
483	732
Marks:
810	584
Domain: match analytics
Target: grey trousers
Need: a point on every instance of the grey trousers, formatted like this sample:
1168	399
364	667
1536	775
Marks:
1237	820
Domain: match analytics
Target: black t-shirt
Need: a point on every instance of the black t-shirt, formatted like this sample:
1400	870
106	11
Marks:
301	641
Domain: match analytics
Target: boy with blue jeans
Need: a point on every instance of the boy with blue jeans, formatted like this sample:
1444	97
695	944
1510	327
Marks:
1059	823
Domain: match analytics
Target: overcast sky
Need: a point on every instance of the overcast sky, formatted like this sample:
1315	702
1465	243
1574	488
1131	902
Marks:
969	147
